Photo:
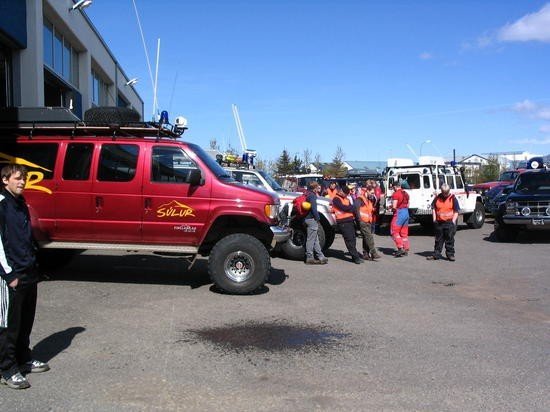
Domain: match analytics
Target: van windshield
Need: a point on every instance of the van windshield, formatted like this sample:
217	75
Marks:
533	182
214	167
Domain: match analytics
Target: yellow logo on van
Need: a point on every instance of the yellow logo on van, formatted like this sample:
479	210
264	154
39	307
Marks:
34	177
175	209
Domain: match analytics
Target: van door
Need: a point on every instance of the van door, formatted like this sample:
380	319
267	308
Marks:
117	193
74	211
174	212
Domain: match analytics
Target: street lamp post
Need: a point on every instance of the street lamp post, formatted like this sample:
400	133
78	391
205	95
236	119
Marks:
425	141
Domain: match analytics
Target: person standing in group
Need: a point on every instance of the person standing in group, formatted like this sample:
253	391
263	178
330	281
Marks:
365	204
332	190
445	215
312	221
400	221
18	279
344	211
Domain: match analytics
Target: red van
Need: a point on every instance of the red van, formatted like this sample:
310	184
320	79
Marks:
138	187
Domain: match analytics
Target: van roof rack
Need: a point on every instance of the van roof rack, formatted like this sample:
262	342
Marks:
49	121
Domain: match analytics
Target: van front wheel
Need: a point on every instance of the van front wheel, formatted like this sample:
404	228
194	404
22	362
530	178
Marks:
239	264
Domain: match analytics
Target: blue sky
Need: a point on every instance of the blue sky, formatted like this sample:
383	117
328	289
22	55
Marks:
369	76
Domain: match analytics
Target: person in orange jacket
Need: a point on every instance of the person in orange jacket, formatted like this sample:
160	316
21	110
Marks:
445	215
344	211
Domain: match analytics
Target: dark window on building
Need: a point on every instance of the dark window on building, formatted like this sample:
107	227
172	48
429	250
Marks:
42	155
59	55
117	162
48	43
121	102
5	77
77	161
171	165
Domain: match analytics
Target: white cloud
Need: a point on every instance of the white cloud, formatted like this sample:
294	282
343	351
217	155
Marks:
426	56
531	27
532	109
545	128
543	141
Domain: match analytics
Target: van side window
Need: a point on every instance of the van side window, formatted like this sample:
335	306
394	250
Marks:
170	165
78	160
117	162
459	182
450	181
426	180
42	155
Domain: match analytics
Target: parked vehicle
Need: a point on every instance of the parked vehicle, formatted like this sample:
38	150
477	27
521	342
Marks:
422	183
299	182
490	195
527	206
505	178
294	247
499	199
135	187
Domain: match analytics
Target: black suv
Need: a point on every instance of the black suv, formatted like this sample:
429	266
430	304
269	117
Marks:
527	206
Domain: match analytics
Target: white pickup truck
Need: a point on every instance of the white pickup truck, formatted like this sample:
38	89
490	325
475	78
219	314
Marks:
422	183
294	248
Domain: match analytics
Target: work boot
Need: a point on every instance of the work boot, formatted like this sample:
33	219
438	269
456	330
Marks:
357	260
375	256
451	258
400	253
322	261
311	261
435	256
366	256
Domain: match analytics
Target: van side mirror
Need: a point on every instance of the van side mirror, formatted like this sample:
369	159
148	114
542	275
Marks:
195	178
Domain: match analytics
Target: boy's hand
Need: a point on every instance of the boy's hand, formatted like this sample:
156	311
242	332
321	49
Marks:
14	283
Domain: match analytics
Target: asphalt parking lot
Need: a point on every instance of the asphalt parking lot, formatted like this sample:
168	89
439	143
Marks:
140	332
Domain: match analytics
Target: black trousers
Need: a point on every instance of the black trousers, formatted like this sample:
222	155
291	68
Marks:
445	234
15	339
348	233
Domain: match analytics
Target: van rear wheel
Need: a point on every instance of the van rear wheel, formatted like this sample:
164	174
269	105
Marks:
476	219
239	264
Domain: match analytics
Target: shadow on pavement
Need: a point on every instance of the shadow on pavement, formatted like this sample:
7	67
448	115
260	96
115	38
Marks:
143	269
48	348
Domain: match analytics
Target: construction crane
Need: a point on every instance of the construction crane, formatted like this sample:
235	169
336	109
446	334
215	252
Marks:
248	154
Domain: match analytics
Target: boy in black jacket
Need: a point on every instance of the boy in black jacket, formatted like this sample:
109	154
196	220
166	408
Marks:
18	279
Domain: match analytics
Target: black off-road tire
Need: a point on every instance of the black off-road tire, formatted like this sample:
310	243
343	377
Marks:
239	264
476	219
295	247
110	115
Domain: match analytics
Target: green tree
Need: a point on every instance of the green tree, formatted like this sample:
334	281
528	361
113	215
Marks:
490	171
336	168
297	164
283	165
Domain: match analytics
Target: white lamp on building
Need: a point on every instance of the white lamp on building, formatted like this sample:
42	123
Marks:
81	4
132	82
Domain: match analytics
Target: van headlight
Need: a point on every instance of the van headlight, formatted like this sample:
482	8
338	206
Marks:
512	208
271	211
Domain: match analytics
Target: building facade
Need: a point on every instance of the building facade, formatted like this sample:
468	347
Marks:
52	55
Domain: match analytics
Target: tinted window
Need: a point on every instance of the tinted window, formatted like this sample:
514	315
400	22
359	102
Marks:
171	165
410	180
41	155
117	162
459	182
248	178
533	182
78	160
426	180
451	182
